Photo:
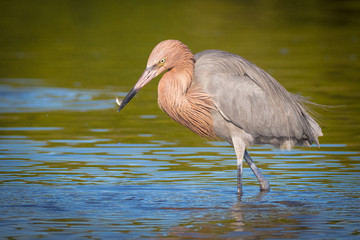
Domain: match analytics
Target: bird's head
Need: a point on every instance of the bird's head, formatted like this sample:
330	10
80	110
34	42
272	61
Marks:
163	57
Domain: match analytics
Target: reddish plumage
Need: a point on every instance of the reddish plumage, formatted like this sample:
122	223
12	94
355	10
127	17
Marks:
182	100
224	95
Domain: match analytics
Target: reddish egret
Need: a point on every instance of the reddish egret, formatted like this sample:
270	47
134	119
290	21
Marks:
218	94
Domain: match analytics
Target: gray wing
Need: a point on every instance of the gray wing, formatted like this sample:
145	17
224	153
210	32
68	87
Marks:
251	99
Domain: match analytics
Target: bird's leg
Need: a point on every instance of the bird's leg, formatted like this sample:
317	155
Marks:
239	147
264	183
239	178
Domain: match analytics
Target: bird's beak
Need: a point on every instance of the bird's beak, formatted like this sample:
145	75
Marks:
148	74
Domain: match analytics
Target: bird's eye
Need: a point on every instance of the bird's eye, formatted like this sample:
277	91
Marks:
162	61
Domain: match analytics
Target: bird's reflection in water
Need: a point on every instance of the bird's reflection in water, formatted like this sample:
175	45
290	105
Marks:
246	218
237	212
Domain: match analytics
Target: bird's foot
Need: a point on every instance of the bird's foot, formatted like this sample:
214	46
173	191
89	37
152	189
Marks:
264	185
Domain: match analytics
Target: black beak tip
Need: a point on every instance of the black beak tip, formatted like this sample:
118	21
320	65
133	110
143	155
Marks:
120	103
129	96
119	109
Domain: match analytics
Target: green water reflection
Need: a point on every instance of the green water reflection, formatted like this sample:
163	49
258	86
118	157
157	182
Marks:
64	147
311	47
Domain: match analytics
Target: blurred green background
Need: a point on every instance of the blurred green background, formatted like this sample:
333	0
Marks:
311	47
63	172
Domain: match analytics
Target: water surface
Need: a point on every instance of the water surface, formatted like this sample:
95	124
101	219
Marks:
72	167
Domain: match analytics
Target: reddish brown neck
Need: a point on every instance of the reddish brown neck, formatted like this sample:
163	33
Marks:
184	102
175	83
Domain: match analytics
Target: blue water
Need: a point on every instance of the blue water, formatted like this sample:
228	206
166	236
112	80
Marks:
55	185
72	167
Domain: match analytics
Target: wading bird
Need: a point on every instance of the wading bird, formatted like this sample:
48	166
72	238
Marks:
218	94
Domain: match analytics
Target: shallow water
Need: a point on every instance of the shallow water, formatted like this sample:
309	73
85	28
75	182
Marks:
55	184
71	166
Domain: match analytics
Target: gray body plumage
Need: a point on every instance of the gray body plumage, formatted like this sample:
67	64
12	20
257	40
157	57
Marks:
252	105
222	94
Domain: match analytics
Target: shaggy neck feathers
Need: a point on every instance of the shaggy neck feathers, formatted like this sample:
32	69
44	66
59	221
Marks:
183	101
